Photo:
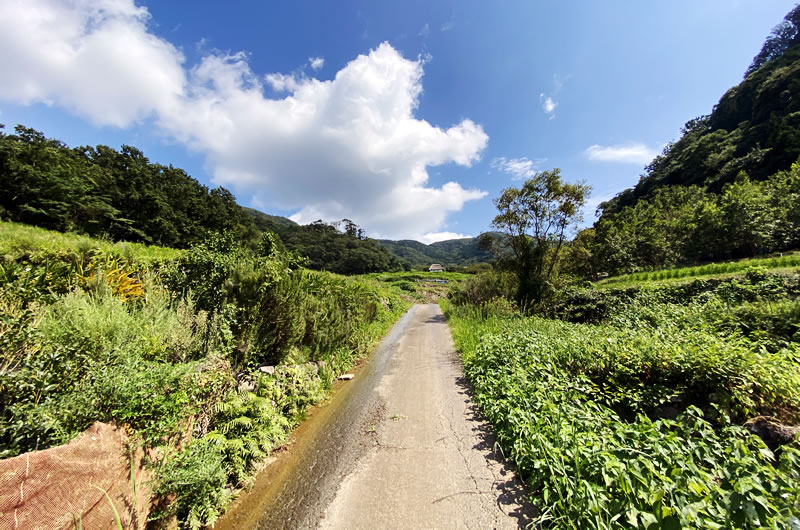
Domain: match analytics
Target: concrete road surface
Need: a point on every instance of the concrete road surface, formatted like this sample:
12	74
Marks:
401	447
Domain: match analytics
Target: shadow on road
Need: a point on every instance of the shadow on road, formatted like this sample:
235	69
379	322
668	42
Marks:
436	319
513	492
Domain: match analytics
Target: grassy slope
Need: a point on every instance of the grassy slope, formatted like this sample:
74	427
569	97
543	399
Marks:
788	262
19	241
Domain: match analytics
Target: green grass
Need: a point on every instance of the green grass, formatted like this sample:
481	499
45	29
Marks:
787	263
18	241
417	276
416	285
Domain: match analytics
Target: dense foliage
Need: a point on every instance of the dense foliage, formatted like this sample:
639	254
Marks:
340	247
727	188
680	225
101	191
169	344
636	421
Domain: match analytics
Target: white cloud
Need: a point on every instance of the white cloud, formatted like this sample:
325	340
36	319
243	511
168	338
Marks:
425	31
434	237
449	25
632	153
349	147
95	58
316	62
519	168
282	82
548	105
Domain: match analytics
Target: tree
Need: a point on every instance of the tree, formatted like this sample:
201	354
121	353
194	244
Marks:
536	219
781	38
748	217
580	259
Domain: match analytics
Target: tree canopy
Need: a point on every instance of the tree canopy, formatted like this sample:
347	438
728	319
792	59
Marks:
755	128
783	36
684	225
536	218
104	192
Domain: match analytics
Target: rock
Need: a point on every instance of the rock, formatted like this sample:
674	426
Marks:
773	433
266	369
346	377
246	385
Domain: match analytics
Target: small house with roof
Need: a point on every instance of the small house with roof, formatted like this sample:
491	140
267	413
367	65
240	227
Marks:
436	268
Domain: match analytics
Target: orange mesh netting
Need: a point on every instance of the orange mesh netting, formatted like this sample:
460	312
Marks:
58	487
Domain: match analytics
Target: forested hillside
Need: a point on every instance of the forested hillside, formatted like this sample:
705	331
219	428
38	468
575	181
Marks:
448	253
121	195
340	247
728	188
324	247
118	194
754	128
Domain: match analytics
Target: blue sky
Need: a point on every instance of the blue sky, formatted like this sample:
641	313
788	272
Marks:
407	117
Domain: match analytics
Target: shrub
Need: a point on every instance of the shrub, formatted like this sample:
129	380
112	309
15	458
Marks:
197	479
484	287
88	335
577	408
405	285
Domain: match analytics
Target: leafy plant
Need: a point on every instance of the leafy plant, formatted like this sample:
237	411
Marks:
634	423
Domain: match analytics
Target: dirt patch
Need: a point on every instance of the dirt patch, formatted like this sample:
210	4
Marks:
63	487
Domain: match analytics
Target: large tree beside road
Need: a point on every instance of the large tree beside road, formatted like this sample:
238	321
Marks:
537	219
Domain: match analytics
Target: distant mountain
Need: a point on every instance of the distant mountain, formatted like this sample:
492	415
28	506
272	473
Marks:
413	253
448	253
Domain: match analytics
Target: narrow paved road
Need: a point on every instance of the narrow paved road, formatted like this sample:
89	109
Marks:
402	447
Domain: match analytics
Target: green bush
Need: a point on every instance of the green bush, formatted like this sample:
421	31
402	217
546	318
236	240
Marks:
578	409
197	479
483	287
405	285
590	305
88	334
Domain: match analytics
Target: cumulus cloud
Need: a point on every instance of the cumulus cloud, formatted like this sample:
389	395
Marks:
282	82
632	153
548	105
519	168
95	58
346	147
316	62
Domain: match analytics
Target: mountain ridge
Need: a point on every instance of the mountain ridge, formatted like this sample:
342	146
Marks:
413	253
